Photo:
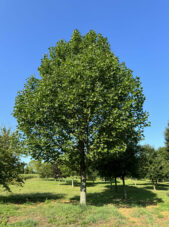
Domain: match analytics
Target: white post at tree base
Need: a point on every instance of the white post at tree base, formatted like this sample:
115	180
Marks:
83	198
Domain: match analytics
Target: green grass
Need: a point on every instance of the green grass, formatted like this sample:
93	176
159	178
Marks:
43	202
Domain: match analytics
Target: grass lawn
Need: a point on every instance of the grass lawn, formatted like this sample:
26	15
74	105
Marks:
43	202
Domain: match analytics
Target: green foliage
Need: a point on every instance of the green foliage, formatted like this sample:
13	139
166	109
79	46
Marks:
83	90
10	165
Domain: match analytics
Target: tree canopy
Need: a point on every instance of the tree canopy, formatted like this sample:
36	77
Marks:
85	102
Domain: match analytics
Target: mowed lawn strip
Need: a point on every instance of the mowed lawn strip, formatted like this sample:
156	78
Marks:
46	202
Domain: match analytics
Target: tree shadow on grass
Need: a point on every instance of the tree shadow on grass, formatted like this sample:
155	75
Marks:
149	183
136	197
158	187
77	183
28	177
30	198
88	183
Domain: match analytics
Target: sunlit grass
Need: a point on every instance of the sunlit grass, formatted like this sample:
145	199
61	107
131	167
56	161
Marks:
42	202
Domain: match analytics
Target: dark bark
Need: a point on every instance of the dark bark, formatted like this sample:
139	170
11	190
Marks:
135	182
111	187
154	184
115	181
124	188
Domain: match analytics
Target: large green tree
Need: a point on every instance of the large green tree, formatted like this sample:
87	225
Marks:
10	164
85	102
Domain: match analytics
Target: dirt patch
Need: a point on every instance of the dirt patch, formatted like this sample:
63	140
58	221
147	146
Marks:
126	212
139	221
43	222
69	201
151	207
40	219
15	219
165	213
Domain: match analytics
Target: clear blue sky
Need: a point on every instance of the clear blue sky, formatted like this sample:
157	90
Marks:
138	32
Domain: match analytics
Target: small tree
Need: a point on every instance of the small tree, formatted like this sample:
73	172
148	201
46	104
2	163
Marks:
10	165
56	171
45	170
30	168
153	164
35	166
92	174
105	166
120	165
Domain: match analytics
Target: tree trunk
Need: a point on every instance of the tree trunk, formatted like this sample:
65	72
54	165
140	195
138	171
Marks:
82	173
154	185
124	188
83	190
72	182
135	182
115	181
111	187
